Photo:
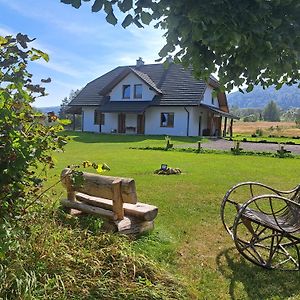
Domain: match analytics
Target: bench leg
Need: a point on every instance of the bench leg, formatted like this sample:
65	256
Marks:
117	200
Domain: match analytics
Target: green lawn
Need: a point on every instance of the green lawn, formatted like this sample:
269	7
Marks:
188	238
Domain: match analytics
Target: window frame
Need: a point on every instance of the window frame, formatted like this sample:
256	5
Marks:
136	96
124	87
169	121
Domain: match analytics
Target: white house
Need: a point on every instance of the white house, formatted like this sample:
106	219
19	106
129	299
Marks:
152	99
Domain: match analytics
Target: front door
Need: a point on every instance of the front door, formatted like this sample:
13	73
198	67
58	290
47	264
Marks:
121	123
140	124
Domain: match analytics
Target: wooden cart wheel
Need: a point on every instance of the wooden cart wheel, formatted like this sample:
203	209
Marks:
229	208
264	246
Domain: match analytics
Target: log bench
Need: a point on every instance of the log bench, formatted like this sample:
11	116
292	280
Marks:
114	199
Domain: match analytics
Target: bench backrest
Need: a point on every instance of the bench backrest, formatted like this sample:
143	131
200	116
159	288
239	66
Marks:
102	186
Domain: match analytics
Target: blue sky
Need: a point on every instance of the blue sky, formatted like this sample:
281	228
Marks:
82	45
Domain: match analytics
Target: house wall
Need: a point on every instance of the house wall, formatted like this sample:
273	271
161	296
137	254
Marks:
152	121
207	97
110	123
131	79
88	119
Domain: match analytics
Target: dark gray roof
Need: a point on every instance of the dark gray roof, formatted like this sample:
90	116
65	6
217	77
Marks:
147	79
176	84
219	112
125	106
90	94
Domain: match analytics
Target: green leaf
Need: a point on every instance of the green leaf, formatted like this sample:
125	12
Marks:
146	17
97	6
99	169
74	3
127	21
48	80
250	88
42	54
108	7
34	57
126	5
3	40
64	121
137	23
110	18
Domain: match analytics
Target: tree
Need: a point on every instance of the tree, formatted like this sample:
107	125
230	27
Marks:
271	112
247	42
297	118
26	143
63	107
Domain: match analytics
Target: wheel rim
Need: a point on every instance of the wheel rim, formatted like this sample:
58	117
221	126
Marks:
266	247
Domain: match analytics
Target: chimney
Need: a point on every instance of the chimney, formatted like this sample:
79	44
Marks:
139	62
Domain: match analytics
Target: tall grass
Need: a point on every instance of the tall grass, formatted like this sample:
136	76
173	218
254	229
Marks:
62	257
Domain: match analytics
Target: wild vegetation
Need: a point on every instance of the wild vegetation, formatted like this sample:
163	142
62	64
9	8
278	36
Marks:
188	240
267	129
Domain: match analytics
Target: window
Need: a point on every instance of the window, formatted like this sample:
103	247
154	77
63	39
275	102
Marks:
126	91
212	100
138	89
99	117
167	120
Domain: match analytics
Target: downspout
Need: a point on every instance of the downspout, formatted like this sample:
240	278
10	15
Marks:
188	121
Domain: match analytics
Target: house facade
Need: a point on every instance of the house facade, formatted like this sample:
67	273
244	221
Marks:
152	99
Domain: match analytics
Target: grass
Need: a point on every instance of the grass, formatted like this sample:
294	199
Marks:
188	240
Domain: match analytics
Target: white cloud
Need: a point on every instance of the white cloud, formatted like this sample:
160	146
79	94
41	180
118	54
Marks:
64	69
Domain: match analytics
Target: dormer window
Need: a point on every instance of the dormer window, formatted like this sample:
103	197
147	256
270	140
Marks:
212	100
138	91
126	91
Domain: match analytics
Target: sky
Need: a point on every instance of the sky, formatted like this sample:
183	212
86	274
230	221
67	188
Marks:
82	45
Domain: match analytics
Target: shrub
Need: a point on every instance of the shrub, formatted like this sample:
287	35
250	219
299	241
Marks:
259	132
26	141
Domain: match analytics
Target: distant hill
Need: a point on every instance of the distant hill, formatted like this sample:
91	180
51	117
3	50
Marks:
287	97
55	109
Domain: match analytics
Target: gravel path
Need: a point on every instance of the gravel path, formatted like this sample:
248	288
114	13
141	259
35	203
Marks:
221	144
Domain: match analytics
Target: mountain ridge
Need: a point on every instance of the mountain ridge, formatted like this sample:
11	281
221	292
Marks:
287	97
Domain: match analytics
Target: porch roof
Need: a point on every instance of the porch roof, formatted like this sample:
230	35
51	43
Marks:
219	112
74	110
125	106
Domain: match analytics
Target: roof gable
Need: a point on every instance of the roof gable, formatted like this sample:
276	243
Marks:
127	70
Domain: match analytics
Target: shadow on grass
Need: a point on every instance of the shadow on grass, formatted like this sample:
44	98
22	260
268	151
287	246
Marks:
85	137
257	282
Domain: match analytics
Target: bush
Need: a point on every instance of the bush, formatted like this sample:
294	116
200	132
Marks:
250	118
259	132
26	142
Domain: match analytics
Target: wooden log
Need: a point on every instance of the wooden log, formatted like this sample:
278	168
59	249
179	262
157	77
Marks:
102	186
139	210
129	225
117	202
97	211
68	185
132	227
